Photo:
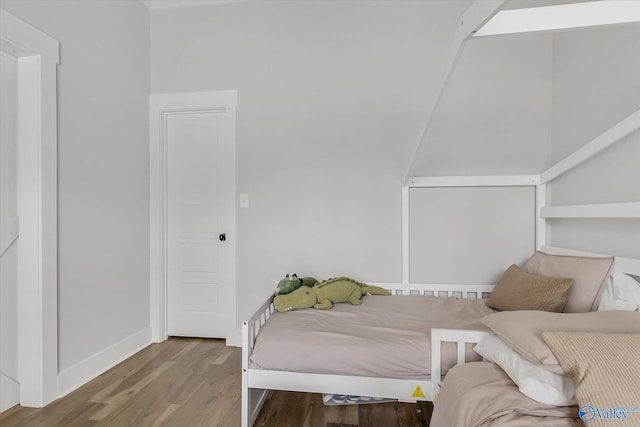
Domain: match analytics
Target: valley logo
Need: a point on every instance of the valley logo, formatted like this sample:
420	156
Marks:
617	413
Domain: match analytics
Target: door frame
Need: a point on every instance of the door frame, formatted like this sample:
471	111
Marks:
38	57
161	106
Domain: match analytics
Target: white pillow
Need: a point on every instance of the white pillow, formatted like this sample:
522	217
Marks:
621	293
532	380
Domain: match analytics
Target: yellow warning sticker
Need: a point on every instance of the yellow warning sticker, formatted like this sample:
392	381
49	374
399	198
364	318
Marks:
417	392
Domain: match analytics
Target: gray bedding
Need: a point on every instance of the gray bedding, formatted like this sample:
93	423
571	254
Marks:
386	336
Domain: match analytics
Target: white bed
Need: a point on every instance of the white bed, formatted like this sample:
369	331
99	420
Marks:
256	382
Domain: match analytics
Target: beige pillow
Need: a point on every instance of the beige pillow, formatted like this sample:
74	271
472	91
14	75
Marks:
518	290
522	330
589	275
606	371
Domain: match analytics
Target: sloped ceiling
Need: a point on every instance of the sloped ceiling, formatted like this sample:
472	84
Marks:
495	115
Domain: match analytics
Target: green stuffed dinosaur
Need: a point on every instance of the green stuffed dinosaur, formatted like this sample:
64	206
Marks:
323	295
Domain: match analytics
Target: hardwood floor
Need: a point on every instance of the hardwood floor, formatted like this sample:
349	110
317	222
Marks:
191	382
291	409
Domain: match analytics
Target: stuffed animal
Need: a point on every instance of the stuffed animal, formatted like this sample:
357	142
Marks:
291	283
323	295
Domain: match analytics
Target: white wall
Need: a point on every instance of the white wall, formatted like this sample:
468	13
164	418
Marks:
103	190
469	235
330	97
595	85
495	114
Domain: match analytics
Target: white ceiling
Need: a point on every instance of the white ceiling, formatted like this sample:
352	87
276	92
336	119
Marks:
164	4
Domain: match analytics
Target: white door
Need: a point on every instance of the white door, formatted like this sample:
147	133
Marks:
9	386
200	199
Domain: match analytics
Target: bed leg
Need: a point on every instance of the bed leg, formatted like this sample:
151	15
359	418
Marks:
252	398
252	401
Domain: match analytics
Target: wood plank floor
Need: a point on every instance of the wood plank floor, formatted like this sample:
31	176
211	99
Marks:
191	382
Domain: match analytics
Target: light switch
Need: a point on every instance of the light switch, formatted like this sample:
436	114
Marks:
244	200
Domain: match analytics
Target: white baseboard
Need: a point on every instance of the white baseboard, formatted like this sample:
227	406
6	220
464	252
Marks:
94	365
234	338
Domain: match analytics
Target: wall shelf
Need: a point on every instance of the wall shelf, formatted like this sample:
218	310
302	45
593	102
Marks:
605	210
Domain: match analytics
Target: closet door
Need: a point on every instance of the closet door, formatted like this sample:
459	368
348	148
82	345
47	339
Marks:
199	177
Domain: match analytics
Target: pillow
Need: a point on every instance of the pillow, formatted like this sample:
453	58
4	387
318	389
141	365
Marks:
532	380
589	275
621	293
626	288
518	290
606	371
522	330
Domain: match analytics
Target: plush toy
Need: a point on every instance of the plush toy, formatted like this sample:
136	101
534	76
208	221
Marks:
291	283
323	295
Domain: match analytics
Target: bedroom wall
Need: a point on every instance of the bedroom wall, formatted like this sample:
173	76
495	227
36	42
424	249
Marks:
595	85
330	97
465	235
495	114
103	172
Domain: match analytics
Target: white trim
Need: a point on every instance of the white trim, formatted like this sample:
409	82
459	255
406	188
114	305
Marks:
478	13
473	181
405	235
37	208
561	17
160	106
604	210
615	134
168	4
622	264
98	363
541	223
22	39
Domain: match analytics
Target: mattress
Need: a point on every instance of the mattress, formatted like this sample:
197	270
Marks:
386	336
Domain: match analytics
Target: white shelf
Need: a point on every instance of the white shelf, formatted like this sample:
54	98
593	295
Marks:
473	181
606	210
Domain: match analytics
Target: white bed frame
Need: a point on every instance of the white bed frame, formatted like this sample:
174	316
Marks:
257	382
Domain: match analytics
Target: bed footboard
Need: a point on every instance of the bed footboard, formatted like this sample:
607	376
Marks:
460	337
252	399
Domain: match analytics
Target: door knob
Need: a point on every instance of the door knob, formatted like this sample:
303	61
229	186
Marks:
222	237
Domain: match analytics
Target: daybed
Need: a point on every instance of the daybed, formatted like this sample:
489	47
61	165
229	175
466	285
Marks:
288	359
316	351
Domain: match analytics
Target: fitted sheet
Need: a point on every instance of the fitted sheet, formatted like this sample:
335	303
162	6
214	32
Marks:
385	336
